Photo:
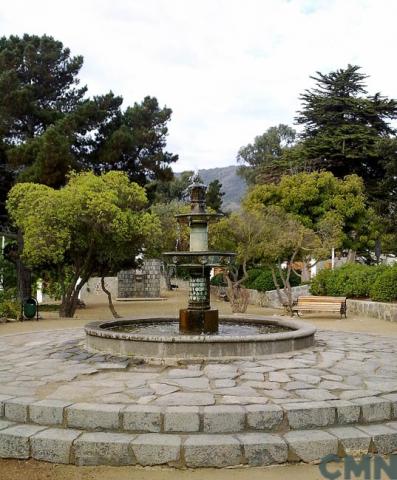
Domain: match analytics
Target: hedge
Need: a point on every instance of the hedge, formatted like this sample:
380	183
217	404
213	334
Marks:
354	280
262	280
384	288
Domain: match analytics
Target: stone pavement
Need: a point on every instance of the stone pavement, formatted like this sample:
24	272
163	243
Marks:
55	365
61	403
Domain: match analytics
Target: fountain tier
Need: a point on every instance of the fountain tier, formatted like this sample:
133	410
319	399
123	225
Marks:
237	343
198	317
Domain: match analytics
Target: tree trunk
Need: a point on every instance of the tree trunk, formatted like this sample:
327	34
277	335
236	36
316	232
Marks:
24	275
305	277
167	277
69	305
70	299
238	296
351	256
276	284
109	295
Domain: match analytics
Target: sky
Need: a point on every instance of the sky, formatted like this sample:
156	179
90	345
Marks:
229	69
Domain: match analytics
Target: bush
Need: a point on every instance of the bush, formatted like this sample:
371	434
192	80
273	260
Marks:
384	288
253	274
264	281
218	281
9	307
352	280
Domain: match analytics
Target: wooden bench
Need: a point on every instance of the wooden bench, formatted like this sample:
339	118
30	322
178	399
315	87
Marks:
321	304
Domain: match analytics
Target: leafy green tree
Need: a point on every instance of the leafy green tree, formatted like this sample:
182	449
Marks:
93	223
38	89
240	232
49	127
270	155
346	131
164	191
134	143
38	85
214	195
320	201
274	238
285	239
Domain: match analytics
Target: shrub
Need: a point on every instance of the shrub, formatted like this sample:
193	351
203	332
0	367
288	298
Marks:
218	281
9	307
264	281
384	288
352	280
253	274
319	284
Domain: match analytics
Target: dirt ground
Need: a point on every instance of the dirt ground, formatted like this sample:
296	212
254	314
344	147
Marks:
19	470
97	310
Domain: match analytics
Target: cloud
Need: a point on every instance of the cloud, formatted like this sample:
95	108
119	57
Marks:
229	69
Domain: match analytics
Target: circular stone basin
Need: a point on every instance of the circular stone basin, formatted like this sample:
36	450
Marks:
245	336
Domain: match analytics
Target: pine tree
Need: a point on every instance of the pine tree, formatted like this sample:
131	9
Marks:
345	130
214	195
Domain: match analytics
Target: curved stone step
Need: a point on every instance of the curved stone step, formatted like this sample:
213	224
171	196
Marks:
71	446
135	418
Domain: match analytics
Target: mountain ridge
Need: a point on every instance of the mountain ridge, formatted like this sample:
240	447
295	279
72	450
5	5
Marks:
233	185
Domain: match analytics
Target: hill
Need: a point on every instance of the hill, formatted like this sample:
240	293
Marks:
233	185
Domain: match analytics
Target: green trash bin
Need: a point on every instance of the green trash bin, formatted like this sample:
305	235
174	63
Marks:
30	309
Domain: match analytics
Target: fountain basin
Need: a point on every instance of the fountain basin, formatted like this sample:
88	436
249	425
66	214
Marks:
233	343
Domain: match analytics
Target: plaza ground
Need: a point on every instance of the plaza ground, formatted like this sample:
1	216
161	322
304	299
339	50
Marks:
97	309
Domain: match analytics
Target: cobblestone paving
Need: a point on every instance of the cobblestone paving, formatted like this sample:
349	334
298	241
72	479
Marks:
55	365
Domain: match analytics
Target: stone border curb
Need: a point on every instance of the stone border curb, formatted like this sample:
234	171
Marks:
60	445
214	419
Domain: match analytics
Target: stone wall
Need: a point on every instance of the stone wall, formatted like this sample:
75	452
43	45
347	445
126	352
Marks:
269	298
367	308
92	290
140	283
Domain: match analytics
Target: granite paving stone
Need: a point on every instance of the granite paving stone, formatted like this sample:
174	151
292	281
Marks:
374	409
352	441
309	415
263	449
310	445
384	439
156	449
223	418
181	419
212	451
142	418
54	444
14	441
104	448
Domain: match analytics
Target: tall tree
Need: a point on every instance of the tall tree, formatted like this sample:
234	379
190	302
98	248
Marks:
214	195
134	143
271	155
38	85
49	127
38	88
91	226
319	200
345	129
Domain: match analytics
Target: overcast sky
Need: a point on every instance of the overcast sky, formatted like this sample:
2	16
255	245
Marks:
229	69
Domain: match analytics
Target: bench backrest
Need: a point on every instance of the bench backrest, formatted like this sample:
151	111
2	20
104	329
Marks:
320	299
